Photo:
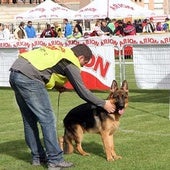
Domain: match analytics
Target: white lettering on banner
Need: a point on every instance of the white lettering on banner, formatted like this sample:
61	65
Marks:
149	41
127	41
56	42
109	41
71	42
102	64
95	41
38	43
19	44
92	42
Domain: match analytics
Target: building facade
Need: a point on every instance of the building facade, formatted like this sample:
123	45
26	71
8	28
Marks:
159	6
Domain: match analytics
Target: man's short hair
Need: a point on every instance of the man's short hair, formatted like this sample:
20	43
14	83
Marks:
82	49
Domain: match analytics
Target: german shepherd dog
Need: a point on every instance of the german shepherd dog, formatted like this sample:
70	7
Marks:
89	118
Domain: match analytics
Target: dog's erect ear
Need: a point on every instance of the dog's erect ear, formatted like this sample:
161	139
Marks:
114	86
125	86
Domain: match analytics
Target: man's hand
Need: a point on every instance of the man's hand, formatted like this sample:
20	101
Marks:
110	108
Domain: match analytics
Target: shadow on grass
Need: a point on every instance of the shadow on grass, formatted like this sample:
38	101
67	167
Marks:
93	148
16	149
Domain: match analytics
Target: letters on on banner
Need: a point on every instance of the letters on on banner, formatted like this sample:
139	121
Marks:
97	41
99	72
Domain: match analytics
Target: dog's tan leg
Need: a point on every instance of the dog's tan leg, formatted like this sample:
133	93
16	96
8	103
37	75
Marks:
61	142
108	147
114	155
67	144
78	141
108	144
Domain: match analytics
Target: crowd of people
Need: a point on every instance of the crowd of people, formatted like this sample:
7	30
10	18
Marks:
121	28
102	27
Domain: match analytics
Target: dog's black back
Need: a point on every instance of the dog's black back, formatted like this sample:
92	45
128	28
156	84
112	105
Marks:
84	115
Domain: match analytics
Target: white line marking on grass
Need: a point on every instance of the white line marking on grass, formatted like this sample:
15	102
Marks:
145	133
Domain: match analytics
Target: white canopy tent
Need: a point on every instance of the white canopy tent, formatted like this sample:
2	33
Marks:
47	10
112	9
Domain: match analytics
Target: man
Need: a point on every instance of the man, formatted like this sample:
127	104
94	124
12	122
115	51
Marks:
105	28
68	31
30	30
31	74
166	25
48	32
20	33
1	31
150	26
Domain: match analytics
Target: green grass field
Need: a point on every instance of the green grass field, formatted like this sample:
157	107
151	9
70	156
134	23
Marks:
143	139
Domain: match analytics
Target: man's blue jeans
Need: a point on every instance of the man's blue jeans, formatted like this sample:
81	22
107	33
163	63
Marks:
33	100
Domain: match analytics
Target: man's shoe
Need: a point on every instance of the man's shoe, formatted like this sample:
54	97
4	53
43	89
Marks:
65	164
38	162
59	165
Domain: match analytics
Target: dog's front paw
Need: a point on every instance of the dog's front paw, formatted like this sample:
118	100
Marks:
110	159
114	158
117	157
86	154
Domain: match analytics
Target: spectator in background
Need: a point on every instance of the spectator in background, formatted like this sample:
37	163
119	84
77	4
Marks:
105	28
68	32
48	32
79	27
111	24
57	28
19	32
138	26
76	32
54	31
159	26
97	29
108	20
6	32
129	29
166	25
119	28
150	28
30	30
1	31
144	25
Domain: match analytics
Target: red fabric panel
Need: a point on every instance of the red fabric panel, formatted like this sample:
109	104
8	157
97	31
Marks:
90	82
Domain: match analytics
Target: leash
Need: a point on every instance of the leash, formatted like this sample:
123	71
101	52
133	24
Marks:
58	109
